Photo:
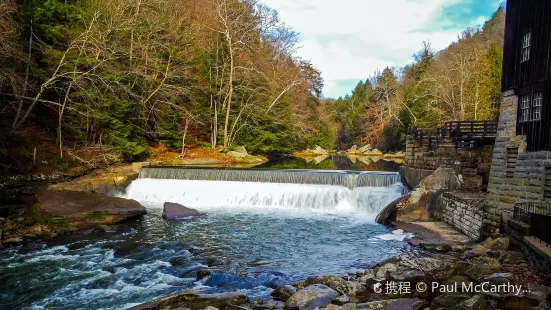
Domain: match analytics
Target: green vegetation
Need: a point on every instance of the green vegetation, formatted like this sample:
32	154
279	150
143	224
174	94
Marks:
462	82
123	76
128	75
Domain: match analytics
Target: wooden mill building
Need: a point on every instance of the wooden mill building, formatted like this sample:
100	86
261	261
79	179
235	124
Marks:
521	163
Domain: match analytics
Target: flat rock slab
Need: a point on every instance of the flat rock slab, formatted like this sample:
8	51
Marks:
433	233
72	210
195	301
175	211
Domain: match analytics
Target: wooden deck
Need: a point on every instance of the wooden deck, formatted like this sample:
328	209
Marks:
457	134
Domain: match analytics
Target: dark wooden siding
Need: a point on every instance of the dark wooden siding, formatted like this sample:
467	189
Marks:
534	75
522	17
538	133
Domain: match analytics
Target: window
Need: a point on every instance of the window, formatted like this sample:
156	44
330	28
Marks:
537	101
526	43
525	108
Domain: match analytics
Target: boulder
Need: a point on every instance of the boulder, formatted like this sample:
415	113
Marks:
242	150
461	282
420	205
394	304
236	154
341	300
477	302
194	301
496	279
365	149
318	150
348	306
411	276
65	211
498	244
311	297
174	211
476	251
479	271
284	292
353	150
338	284
447	300
437	248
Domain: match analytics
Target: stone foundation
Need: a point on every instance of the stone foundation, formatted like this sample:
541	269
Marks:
472	163
469	213
524	179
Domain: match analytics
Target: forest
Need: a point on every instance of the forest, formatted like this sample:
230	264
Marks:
461	82
117	77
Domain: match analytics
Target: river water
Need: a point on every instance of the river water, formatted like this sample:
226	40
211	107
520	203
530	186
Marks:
252	236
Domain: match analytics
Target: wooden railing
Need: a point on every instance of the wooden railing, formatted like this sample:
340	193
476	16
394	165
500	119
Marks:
461	133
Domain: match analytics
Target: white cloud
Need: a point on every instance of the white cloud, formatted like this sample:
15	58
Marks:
351	39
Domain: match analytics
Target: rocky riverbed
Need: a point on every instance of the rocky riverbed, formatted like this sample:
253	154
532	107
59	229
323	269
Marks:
481	276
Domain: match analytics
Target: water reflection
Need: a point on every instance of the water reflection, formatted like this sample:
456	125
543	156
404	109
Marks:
334	162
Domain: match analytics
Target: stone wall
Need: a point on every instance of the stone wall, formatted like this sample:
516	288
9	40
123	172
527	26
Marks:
469	213
526	181
472	163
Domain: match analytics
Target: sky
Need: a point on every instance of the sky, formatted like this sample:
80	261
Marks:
348	40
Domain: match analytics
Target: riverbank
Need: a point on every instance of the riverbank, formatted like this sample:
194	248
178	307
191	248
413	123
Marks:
476	276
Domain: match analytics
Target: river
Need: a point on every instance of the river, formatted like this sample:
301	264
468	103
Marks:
252	236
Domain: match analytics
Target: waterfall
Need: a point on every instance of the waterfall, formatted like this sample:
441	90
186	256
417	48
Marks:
350	179
248	195
338	192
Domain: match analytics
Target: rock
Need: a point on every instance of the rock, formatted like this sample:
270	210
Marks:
384	270
12	240
365	149
499	278
461	282
242	150
479	271
538	292
388	214
477	302
269	304
376	152
420	204
211	308
367	275
318	150
394	304
411	276
447	300
438	248
179	261
202	274
311	297
353	149
338	284
174	211
476	251
65	210
236	154
517	302
498	244
341	300
351	306
283	292
508	257
105	228
194	301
